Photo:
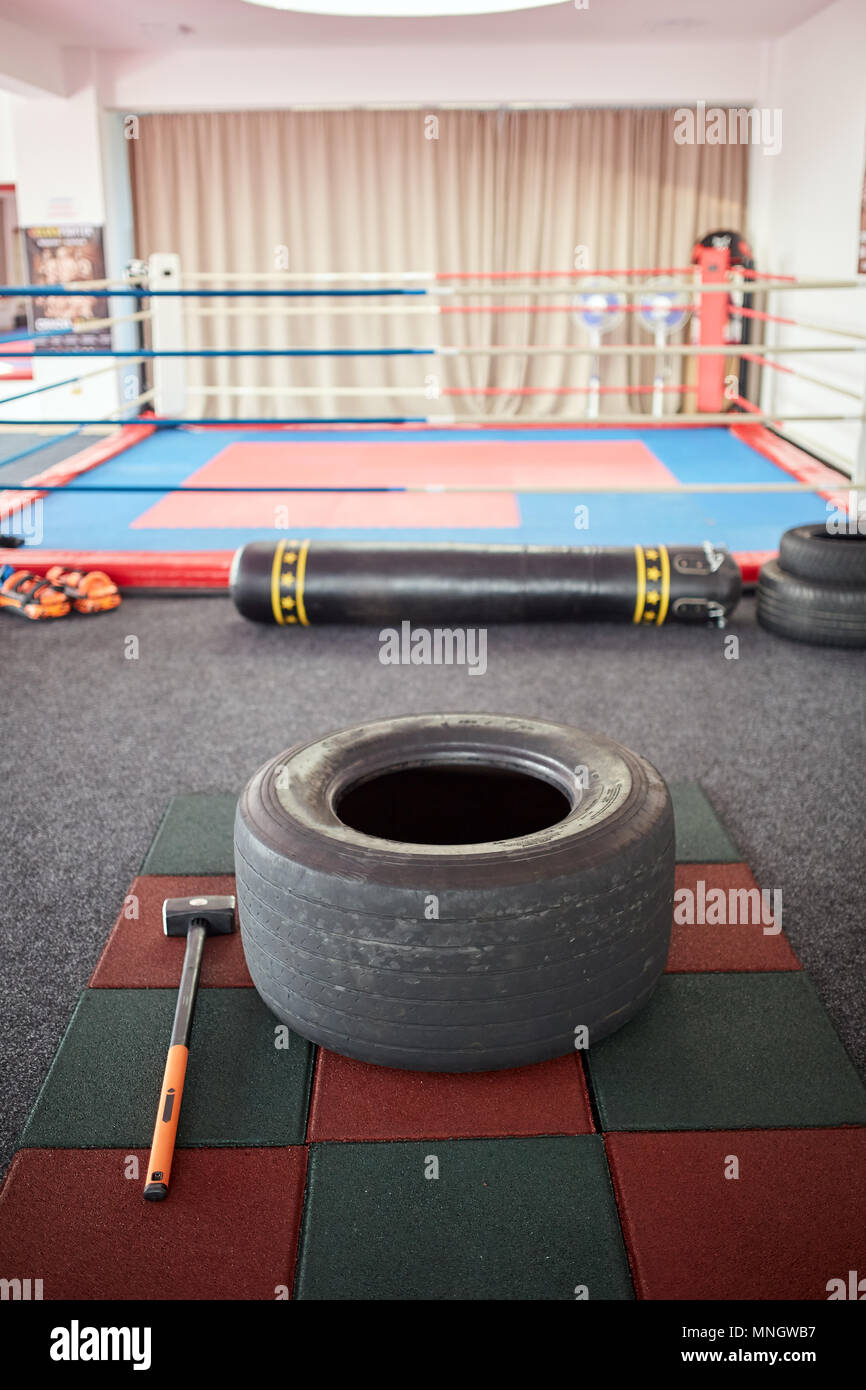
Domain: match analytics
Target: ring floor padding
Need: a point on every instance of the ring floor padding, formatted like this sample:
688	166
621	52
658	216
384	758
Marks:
302	1172
175	459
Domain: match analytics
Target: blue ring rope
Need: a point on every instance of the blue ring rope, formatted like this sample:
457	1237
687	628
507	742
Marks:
69	332
35	391
241	422
231	352
34	449
184	491
44	291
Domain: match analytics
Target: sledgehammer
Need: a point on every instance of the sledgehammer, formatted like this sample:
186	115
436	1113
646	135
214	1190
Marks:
194	918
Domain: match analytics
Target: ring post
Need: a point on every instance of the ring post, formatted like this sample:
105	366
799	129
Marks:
169	373
714	263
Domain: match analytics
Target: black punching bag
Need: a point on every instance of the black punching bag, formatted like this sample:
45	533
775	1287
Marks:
302	583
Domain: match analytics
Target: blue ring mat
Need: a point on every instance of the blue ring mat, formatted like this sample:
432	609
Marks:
744	522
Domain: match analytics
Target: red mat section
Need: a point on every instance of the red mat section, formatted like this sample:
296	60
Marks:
723	943
138	955
352	1100
73	1218
566	465
793	1220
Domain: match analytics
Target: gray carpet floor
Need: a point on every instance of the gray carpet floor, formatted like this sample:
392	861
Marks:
94	745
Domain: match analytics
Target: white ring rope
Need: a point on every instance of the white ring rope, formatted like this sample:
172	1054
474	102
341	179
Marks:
319	276
328	311
89	325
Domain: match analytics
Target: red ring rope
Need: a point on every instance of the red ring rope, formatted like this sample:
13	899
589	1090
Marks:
760	314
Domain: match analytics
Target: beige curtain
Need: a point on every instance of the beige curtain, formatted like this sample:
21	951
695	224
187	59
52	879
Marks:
414	190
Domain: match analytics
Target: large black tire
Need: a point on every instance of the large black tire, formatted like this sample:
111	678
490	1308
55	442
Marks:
827	615
812	552
554	900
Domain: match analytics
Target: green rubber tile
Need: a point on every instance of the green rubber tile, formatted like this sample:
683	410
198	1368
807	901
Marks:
727	1051
103	1087
196	837
701	838
504	1219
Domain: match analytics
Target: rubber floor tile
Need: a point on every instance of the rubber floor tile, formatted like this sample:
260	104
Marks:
700	836
790	1222
727	1051
742	933
138	955
103	1086
504	1219
352	1100
196	837
77	1221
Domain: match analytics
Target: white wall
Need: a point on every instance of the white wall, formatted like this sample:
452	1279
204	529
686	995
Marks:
595	74
806	212
7	143
30	62
58	151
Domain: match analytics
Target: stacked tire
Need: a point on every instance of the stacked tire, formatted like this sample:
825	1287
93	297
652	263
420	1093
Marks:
816	590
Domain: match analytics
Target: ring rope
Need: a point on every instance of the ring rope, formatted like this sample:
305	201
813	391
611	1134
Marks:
806	376
320	276
458	422
491	350
367	391
329	311
626	287
105	420
695	286
577	490
337	310
331	276
87	325
139	292
52	385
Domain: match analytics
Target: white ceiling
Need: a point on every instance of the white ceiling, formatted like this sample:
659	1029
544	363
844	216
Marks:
160	24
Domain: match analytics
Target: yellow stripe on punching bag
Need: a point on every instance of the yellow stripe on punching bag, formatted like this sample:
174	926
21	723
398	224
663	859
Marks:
640	579
275	582
666	583
302	573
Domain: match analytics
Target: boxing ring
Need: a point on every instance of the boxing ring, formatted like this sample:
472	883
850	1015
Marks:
162	497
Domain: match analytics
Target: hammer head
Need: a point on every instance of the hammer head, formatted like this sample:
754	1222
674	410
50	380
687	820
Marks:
217	914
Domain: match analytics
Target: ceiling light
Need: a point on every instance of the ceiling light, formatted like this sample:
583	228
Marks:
405	9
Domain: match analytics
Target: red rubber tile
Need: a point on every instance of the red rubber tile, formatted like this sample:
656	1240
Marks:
734	942
794	1220
568	464
138	955
229	1228
355	1101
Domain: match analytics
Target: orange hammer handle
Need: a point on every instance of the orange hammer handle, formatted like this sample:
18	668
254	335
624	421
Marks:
162	1147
